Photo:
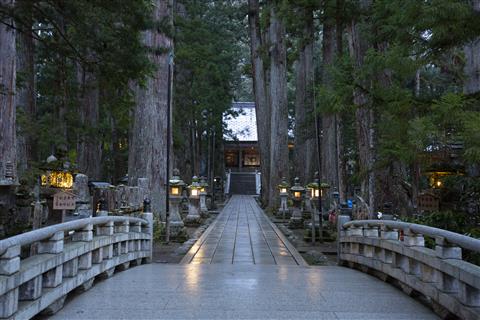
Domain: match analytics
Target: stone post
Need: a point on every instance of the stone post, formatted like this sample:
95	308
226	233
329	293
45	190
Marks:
283	210
297	191
203	204
193	218
82	192
148	215
176	223
9	264
341	220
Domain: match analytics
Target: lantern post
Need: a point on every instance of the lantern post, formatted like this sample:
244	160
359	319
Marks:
175	190
296	220
193	217
283	192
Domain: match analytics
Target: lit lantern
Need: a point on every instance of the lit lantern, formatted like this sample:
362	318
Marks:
203	185
55	177
438	172
176	184
297	190
283	187
195	187
313	189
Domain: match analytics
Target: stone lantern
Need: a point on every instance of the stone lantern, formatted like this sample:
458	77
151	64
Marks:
283	192
297	191
56	174
193	217
175	197
203	197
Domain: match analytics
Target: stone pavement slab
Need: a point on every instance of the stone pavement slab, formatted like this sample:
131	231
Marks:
237	291
242	234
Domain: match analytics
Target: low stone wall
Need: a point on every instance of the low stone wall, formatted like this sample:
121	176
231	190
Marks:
66	257
396	252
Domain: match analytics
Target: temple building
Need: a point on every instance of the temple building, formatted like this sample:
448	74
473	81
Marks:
240	139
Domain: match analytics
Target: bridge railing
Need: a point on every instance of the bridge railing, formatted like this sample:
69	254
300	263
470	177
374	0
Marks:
396	252
65	257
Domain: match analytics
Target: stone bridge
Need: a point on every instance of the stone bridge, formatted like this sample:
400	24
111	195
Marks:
241	267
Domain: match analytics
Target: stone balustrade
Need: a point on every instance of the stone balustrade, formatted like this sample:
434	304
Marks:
67	257
396	252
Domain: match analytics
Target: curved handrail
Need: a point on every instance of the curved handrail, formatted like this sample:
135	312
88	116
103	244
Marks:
47	232
452	237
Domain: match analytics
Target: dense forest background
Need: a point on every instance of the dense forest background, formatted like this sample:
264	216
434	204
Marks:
384	89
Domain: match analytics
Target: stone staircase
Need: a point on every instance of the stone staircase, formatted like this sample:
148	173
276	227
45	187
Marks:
242	183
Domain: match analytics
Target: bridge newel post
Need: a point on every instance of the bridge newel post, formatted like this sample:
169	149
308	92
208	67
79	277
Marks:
387	233
342	219
148	215
370	231
412	239
446	250
9	265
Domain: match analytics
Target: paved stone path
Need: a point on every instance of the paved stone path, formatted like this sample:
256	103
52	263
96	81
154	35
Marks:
242	234
242	268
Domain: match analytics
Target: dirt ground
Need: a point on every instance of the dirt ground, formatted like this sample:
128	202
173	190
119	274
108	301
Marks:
314	254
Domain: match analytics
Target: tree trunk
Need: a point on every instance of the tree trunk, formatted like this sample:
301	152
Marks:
8	144
147	152
279	162
305	163
329	124
89	148
262	107
25	96
472	61
364	116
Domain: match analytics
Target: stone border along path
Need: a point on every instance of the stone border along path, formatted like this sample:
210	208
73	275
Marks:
238	289
242	234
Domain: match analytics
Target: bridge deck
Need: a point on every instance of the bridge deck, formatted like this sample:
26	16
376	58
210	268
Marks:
242	234
242	268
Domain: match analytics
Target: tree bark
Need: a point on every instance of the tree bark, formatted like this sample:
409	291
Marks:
472	61
305	147
147	152
279	160
262	107
329	124
25	96
89	148
8	143
364	115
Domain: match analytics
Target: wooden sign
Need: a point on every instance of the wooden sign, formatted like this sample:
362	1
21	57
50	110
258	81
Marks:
64	201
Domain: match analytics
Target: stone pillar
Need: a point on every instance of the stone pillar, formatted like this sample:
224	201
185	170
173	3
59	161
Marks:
9	264
341	220
283	210
296	220
203	205
193	218
176	224
82	192
148	215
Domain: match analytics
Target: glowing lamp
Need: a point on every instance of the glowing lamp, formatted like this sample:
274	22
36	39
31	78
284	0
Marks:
175	191
176	184
297	190
203	184
57	179
283	186
195	187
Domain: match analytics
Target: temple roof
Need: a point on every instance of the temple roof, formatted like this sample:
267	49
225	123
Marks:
242	125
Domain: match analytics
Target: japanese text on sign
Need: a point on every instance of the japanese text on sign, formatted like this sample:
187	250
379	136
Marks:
63	201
